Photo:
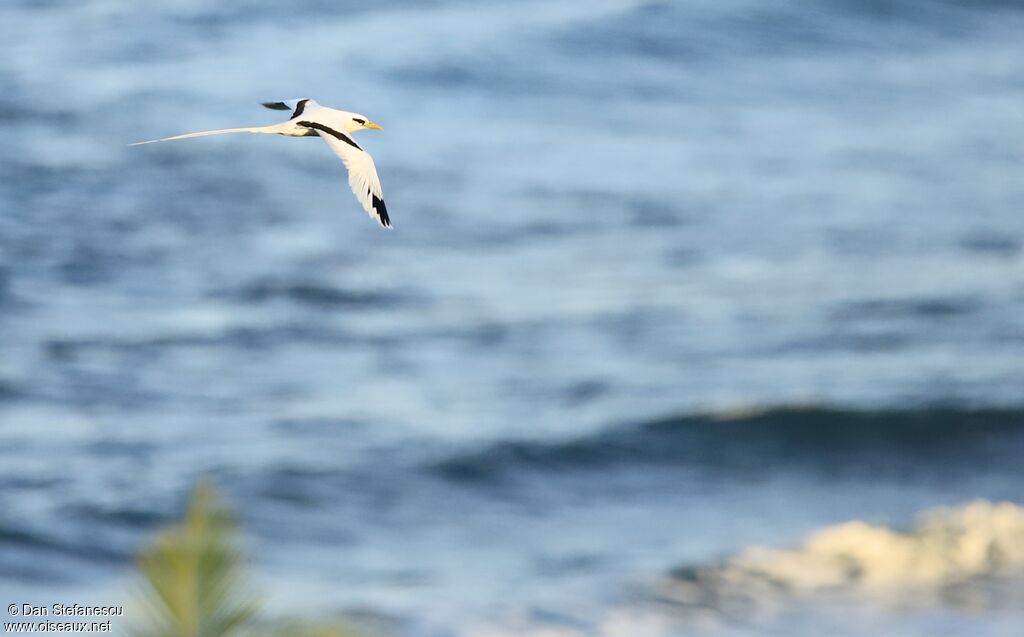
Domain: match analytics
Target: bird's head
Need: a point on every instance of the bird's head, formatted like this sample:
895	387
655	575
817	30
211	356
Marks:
356	122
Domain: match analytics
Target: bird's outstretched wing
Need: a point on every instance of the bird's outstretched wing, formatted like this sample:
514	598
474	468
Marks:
362	173
297	107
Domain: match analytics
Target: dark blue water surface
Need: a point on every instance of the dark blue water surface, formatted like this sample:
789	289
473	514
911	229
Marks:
668	280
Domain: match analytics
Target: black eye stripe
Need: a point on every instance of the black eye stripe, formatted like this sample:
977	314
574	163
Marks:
358	121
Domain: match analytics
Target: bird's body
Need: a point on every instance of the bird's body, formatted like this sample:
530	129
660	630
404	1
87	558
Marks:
310	119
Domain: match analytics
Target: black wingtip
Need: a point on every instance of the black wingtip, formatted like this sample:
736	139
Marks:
382	212
277	106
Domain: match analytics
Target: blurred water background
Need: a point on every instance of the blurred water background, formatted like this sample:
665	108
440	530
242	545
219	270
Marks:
669	281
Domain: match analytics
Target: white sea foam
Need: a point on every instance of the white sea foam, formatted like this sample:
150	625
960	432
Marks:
953	559
948	550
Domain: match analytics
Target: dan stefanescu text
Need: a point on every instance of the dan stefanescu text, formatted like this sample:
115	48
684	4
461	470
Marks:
71	610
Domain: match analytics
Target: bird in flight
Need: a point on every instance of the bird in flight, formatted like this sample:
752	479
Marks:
309	119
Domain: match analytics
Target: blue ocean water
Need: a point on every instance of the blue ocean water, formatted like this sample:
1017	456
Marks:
669	280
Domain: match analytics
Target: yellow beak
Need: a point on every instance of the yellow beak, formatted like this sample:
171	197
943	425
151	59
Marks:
372	125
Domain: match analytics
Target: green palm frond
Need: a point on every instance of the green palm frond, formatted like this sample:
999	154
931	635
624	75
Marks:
195	582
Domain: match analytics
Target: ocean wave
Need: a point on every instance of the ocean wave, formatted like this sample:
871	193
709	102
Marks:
856	578
316	294
953	556
8	391
40	543
794	437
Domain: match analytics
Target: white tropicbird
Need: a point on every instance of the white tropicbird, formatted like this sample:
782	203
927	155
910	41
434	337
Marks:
310	119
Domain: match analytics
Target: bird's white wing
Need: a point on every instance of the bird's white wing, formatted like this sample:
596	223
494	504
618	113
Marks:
362	173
